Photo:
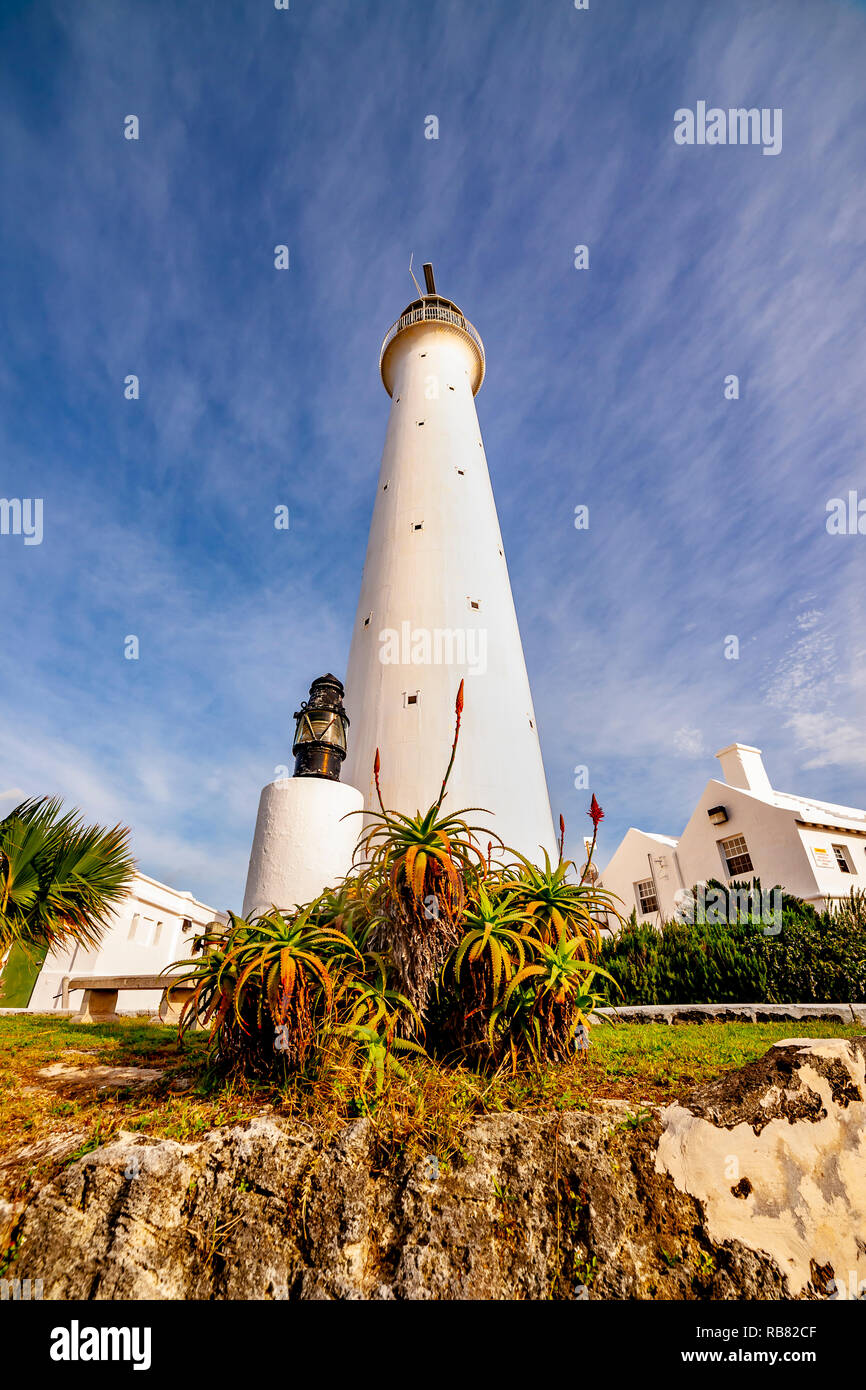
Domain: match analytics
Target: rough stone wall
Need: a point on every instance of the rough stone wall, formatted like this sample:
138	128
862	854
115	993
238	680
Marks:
578	1204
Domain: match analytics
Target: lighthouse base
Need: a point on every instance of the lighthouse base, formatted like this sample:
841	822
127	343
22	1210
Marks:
301	844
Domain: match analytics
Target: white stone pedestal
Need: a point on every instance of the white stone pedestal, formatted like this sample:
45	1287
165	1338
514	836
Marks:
302	842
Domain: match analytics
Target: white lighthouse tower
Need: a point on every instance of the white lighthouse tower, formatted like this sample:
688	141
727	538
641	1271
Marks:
436	602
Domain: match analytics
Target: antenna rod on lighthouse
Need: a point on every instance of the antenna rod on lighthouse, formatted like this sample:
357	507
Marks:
428	277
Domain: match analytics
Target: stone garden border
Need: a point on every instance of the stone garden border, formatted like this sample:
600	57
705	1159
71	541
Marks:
733	1013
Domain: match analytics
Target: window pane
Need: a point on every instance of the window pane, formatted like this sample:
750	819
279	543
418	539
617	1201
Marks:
737	857
646	897
842	859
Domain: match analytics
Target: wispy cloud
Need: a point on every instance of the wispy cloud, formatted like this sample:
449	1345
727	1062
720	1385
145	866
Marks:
813	680
689	742
604	387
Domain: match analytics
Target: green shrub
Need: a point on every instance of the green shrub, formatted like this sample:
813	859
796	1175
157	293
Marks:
684	963
815	958
631	957
821	960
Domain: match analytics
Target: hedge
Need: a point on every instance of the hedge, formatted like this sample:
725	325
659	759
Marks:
815	958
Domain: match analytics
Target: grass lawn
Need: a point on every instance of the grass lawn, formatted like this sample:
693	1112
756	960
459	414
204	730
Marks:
47	1121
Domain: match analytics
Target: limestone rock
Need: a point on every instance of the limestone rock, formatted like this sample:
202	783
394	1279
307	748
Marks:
776	1153
571	1205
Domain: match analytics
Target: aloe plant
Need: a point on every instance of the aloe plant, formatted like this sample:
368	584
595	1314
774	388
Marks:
416	871
492	939
556	905
348	978
374	1019
546	1002
266	985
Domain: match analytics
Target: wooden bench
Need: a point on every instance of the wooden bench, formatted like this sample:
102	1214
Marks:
100	995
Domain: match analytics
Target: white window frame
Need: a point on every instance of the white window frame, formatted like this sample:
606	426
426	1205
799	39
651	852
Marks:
651	896
840	852
743	853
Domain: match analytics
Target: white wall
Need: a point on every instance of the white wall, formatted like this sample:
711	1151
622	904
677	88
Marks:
771	838
781	849
155	941
630	864
829	878
306	832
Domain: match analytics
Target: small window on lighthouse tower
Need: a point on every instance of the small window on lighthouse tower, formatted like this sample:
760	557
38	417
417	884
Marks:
462	472
474	603
368	619
417	525
410	698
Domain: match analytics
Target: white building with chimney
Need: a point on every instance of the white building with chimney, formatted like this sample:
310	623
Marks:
742	829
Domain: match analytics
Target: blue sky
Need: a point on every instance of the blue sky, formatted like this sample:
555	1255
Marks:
260	388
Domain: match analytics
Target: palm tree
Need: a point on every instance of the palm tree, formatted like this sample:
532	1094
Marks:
59	878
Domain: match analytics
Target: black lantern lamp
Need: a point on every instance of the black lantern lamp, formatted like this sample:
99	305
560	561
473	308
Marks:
320	733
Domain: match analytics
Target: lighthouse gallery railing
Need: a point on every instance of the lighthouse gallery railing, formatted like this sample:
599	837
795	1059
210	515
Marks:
433	311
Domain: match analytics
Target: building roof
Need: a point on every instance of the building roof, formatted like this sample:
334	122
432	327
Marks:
648	835
167	888
662	839
806	808
744	771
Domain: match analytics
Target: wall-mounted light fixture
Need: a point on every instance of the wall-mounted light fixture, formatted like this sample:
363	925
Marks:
717	814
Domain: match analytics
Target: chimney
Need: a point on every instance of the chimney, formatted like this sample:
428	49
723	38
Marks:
742	766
